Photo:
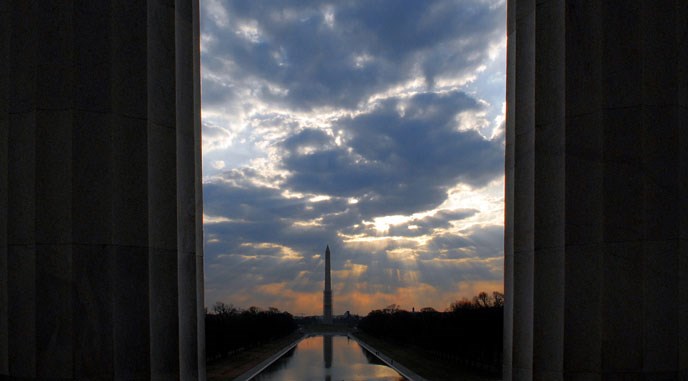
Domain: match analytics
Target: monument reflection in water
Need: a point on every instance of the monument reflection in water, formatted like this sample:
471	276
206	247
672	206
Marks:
328	358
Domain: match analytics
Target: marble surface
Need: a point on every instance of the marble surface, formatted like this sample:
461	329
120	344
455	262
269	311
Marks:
596	172
100	236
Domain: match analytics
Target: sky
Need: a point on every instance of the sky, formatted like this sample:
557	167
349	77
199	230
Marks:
375	127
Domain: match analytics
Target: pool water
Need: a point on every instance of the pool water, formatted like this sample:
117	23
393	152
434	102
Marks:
328	358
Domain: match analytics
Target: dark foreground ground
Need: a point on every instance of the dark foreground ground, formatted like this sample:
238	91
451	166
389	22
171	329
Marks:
424	364
231	367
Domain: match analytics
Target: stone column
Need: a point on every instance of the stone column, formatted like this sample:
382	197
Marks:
596	267
100	204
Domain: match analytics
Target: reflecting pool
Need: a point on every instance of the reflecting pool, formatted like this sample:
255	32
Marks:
329	358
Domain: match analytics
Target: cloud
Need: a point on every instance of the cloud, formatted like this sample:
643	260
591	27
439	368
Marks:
427	225
373	127
399	158
265	238
312	54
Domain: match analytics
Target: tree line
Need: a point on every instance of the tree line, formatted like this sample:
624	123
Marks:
229	329
468	331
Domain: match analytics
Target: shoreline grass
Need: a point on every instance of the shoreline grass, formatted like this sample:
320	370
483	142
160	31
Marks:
424	363
231	367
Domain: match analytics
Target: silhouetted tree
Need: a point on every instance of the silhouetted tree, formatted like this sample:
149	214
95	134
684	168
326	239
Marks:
230	329
469	331
482	300
221	308
392	308
254	310
498	299
462	304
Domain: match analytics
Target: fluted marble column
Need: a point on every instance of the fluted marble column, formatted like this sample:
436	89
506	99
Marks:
597	190
100	201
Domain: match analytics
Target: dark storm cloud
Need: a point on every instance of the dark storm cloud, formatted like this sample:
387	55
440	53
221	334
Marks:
391	163
271	156
252	248
484	242
445	274
216	93
308	137
340	53
399	158
256	243
259	214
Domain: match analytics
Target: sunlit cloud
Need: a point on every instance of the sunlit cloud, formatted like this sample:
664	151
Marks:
374	128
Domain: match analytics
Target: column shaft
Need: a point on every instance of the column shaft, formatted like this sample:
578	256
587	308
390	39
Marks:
4	150
198	191
186	183
509	195
549	184
524	172
131	331
596	183
21	180
99	182
584	175
681	68
162	190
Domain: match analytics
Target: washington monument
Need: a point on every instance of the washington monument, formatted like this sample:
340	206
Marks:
327	294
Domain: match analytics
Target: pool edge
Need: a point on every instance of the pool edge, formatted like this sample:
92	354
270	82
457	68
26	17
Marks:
266	363
404	371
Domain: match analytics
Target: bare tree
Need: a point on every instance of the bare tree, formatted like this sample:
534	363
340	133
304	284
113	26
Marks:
392	308
483	300
254	310
221	308
460	305
498	299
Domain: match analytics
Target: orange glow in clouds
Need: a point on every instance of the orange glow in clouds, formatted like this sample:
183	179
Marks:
361	299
